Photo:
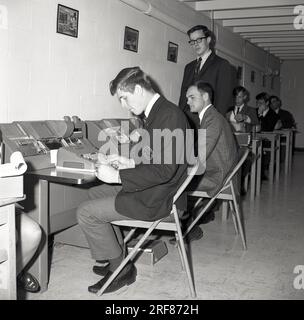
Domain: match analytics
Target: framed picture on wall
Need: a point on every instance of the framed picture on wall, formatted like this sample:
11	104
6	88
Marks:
239	73
252	76
131	39
264	78
67	21
172	52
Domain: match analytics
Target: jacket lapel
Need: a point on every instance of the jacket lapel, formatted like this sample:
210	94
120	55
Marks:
208	62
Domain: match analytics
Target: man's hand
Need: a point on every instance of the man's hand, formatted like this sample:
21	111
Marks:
120	162
107	173
240	117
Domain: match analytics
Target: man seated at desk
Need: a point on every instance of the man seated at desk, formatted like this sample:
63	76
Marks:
241	116
269	121
219	154
141	191
287	119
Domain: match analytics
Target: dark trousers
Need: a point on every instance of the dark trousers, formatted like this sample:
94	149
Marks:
94	218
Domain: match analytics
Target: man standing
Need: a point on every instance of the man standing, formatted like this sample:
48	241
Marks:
209	68
142	191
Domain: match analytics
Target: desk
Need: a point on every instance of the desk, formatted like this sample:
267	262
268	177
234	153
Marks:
46	176
8	290
274	149
288	134
255	174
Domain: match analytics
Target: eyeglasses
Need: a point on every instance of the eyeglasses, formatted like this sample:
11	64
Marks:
198	40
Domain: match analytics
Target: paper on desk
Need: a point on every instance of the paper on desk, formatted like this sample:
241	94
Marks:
16	167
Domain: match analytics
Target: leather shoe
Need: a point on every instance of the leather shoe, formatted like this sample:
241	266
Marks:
28	282
125	277
100	270
195	234
207	217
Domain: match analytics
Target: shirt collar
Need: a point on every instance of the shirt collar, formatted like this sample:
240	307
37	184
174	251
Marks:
205	56
203	112
239	108
265	112
150	104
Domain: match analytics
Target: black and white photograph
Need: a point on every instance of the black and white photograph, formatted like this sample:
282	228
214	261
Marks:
172	52
151	154
131	39
67	21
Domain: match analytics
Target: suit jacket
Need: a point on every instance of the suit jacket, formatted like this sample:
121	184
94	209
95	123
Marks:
217	72
269	121
287	119
148	189
248	111
220	150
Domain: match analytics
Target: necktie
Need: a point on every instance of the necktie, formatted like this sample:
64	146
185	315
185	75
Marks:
198	65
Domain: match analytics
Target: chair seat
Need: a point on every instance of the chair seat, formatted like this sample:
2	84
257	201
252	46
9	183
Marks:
223	195
170	226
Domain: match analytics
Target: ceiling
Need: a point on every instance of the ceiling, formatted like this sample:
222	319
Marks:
277	26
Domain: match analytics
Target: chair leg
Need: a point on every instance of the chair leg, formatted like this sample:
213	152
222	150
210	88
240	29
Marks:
184	255
233	217
238	217
131	255
198	217
179	250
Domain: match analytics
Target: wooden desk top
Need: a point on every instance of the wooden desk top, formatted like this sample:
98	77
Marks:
63	176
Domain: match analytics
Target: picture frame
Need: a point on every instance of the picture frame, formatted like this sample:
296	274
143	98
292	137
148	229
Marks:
131	39
239	73
172	52
264	80
67	21
252	76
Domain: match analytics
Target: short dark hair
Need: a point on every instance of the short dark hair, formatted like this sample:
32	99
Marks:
128	78
274	97
239	89
204	87
263	96
205	30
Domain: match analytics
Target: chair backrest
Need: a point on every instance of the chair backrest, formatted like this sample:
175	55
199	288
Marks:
191	173
243	155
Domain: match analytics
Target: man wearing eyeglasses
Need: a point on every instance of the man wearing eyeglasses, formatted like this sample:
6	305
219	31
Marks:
209	68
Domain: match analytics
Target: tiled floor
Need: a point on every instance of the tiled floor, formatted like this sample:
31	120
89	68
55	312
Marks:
222	270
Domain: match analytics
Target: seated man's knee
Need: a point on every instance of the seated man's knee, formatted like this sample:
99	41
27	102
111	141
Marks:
30	231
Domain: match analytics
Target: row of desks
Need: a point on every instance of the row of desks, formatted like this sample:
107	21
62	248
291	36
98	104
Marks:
276	140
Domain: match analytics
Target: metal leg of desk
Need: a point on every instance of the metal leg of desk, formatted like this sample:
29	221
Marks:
271	166
287	153
259	166
253	174
43	219
290	150
278	150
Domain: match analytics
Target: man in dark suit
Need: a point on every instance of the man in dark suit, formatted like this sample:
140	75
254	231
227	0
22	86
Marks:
242	117
285	116
209	68
142	187
269	121
218	151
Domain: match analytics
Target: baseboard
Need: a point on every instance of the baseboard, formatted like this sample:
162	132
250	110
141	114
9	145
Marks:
299	149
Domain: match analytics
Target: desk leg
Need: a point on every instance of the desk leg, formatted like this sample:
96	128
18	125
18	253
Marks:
43	219
259	165
271	166
287	152
278	151
290	150
253	174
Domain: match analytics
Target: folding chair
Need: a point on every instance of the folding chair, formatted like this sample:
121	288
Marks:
227	193
157	225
